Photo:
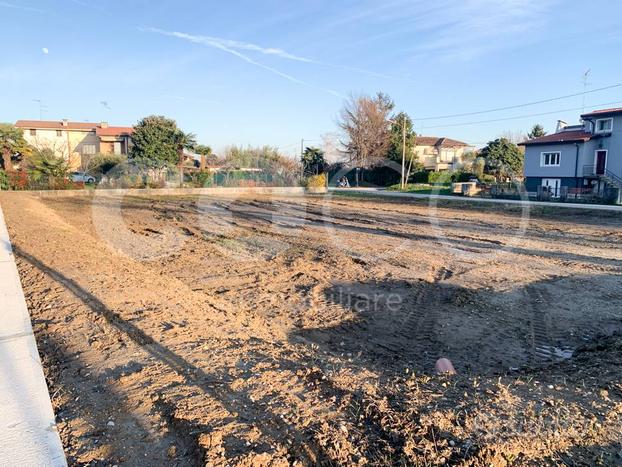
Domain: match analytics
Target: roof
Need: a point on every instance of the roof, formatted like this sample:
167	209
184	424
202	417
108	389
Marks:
438	141
574	136
114	131
598	113
55	125
84	126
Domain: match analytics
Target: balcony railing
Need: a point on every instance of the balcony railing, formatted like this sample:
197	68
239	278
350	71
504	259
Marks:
589	171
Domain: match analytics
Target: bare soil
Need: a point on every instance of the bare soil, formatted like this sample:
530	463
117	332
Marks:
302	331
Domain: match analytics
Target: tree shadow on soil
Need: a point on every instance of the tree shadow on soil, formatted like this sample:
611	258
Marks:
88	401
214	384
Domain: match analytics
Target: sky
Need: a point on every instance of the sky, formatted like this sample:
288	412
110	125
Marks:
275	72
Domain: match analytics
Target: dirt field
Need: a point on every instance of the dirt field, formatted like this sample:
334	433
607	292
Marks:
304	330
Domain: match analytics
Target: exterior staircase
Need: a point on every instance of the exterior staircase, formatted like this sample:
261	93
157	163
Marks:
607	177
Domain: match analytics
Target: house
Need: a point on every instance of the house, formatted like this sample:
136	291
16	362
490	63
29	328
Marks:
581	159
76	141
439	153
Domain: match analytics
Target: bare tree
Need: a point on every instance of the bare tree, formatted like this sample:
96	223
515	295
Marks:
365	123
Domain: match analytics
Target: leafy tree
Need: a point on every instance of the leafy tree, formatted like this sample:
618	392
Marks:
503	158
158	142
46	165
184	141
397	137
364	121
203	150
536	131
313	161
12	143
4	180
478	166
399	123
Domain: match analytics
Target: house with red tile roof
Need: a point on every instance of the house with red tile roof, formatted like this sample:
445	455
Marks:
77	141
584	158
439	153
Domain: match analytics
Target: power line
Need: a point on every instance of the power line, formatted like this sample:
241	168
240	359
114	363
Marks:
527	104
515	117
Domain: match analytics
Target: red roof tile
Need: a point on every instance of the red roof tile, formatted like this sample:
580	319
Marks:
84	126
115	131
55	125
597	113
436	141
575	136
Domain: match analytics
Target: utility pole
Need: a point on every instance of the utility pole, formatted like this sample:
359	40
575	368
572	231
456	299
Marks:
302	152
403	151
181	168
403	178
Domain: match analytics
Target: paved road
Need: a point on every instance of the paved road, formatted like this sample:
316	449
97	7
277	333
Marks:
28	435
397	194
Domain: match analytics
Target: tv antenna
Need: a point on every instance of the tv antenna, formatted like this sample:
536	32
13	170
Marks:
586	83
42	107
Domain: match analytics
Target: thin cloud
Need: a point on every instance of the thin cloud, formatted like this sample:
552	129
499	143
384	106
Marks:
21	7
450	29
218	44
273	51
256	48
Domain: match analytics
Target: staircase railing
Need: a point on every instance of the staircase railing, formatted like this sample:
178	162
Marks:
615	178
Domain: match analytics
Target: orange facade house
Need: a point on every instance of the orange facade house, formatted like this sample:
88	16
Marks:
77	141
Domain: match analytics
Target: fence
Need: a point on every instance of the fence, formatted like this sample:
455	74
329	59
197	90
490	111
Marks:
133	177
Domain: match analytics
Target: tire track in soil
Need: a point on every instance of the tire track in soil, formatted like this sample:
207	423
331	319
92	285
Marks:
419	326
546	346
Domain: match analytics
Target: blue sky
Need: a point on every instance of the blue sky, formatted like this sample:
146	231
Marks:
273	72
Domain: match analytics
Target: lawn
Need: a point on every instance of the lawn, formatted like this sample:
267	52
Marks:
424	188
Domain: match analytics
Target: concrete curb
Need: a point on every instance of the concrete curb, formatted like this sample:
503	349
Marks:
28	435
222	191
397	194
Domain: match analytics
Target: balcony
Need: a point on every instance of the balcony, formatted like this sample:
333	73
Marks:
589	171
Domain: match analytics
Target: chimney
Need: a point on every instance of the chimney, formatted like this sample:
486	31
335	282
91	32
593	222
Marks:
203	162
65	122
560	125
103	124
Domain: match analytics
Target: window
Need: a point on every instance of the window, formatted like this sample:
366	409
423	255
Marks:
550	159
59	133
604	125
88	149
33	132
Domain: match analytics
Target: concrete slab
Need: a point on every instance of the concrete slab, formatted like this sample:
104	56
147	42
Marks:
28	435
6	253
14	317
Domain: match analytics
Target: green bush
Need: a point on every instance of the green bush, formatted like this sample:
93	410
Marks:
316	181
202	179
101	164
4	180
441	177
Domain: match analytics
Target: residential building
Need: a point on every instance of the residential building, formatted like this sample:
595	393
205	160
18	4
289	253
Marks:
76	141
578	159
439	153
